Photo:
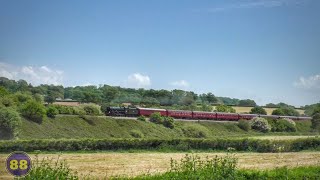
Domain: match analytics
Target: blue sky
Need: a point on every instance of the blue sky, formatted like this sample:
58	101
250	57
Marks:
266	50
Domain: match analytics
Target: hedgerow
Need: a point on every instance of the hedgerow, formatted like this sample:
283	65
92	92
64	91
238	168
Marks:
154	144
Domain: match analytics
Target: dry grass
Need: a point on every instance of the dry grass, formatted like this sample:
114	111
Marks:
247	109
281	137
102	165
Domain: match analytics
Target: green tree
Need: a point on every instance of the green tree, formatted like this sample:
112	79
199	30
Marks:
168	122
285	111
156	118
224	108
258	110
247	102
9	122
33	111
52	112
315	122
3	92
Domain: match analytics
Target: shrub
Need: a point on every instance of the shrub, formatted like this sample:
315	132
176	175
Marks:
141	118
315	122
64	109
49	169
7	101
52	112
33	111
91	109
258	110
260	124
9	122
224	108
195	131
168	122
282	125
136	133
244	125
285	111
156	118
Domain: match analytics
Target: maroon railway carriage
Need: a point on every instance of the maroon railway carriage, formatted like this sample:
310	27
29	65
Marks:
228	116
180	114
204	115
247	116
149	111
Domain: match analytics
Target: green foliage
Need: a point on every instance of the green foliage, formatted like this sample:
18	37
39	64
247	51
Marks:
7	101
33	111
195	131
285	111
22	97
142	118
315	122
91	109
52	112
247	102
50	169
156	118
168	122
228	101
3	92
238	144
282	125
136	133
206	107
260	124
65	109
312	109
224	108
258	110
244	125
9	122
192	167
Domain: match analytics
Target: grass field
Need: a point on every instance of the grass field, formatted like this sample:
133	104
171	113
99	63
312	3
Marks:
102	165
106	127
247	109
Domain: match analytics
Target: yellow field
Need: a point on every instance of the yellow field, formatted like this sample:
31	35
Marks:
247	109
101	165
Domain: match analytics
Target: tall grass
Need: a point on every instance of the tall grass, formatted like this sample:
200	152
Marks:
50	169
191	167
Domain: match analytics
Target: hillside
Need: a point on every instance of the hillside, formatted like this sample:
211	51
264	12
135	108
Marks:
106	127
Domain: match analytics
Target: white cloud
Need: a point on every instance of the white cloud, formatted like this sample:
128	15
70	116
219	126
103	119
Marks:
32	74
311	83
253	4
181	83
138	80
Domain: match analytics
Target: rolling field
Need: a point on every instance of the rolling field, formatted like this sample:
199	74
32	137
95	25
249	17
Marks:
247	109
101	165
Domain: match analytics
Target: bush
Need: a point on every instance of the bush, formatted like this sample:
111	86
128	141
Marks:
258	110
49	169
260	124
168	122
285	111
238	144
224	108
91	109
9	122
195	131
64	109
244	125
52	112
156	118
142	118
33	111
136	133
7	101
282	125
315	122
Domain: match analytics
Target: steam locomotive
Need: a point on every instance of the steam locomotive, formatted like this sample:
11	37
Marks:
184	114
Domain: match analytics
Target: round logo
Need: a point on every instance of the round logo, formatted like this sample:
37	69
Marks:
18	164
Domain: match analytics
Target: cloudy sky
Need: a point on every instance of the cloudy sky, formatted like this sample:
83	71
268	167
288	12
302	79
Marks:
266	50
